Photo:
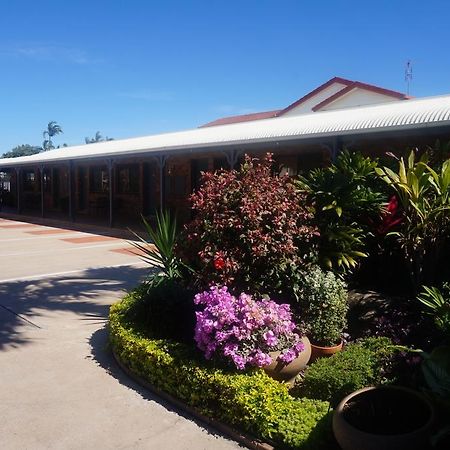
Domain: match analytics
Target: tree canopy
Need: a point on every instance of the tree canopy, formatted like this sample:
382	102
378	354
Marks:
22	150
53	129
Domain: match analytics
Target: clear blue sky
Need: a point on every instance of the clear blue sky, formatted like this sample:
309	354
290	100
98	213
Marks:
131	68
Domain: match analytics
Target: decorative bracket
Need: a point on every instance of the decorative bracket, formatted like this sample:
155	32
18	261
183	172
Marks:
232	157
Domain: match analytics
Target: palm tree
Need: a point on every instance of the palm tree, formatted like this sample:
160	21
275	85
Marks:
97	138
53	129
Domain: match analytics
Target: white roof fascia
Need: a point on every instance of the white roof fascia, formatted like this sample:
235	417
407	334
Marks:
396	116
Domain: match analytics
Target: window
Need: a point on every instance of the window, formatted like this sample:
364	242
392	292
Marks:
47	181
99	181
29	180
128	179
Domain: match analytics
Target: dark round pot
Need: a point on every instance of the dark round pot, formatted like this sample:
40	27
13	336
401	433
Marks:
287	372
323	352
383	418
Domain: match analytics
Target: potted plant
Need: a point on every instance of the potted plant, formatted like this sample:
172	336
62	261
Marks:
322	304
386	417
250	333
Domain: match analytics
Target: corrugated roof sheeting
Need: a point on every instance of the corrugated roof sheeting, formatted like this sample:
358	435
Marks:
417	113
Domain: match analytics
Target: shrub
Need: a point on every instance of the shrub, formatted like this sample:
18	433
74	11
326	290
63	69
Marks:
424	196
166	309
322	305
437	302
250	230
348	199
158	249
245	330
359	365
250	401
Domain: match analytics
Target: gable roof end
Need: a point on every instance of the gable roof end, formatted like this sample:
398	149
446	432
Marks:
314	92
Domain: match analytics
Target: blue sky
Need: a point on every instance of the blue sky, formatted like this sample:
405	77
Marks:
131	68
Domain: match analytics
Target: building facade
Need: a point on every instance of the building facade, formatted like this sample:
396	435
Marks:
114	182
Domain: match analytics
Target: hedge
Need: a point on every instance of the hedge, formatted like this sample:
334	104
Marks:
250	401
359	365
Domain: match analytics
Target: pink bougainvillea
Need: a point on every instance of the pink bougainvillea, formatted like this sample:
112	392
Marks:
244	330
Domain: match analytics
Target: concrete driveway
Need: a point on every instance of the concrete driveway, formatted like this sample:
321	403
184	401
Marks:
59	386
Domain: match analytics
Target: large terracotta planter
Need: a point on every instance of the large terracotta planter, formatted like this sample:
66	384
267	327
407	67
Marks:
322	352
287	372
383	418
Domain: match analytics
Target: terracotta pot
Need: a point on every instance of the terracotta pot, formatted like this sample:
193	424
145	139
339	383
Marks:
287	372
387	418
323	352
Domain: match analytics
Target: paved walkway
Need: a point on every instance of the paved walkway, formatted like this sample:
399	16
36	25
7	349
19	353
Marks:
59	387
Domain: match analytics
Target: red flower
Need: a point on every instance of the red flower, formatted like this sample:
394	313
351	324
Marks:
219	263
392	217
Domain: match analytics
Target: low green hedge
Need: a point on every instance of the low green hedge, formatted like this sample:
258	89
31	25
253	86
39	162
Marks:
250	401
359	365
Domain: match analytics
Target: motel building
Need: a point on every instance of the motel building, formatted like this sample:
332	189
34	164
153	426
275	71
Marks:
112	183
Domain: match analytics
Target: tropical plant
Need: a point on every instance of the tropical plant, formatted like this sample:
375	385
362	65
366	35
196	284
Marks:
250	231
322	306
347	200
424	195
159	249
438	303
53	129
97	138
244	330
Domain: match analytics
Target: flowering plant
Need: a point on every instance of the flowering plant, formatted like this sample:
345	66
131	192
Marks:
250	227
245	330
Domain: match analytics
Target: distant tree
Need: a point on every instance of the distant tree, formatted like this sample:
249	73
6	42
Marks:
22	150
97	138
53	129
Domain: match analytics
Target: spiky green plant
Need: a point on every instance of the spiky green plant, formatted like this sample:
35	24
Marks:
159	249
437	302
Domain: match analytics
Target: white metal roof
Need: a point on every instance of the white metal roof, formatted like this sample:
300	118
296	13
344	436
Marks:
396	116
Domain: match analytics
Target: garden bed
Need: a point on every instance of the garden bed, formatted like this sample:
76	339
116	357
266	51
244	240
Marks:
249	401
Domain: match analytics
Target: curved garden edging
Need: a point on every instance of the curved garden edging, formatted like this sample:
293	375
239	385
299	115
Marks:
250	401
219	426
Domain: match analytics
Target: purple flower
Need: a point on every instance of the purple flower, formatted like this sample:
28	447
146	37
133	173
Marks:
270	338
244	330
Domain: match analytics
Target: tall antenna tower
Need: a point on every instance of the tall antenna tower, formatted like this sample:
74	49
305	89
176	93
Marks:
408	75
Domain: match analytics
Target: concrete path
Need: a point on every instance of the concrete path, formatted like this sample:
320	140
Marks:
59	386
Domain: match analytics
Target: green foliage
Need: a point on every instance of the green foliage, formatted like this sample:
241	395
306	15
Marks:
159	249
424	194
53	129
347	200
436	370
165	309
22	150
322	306
97	138
438	303
357	366
250	401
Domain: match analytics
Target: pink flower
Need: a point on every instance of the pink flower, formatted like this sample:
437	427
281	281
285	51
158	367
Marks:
270	338
244	330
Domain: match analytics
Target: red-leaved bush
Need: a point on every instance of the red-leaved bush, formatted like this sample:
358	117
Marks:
251	229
